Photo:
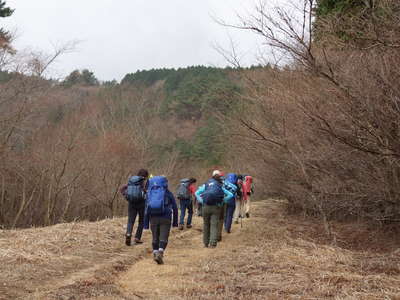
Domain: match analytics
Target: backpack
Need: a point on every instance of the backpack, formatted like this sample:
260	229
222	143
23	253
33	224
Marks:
157	202
233	189
213	193
232	178
230	186
183	192
134	192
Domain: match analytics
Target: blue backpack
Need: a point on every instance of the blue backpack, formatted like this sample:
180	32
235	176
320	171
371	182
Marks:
232	178
157	202
233	189
213	193
134	192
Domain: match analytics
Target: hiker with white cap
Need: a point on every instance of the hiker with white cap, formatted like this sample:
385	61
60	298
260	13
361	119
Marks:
212	195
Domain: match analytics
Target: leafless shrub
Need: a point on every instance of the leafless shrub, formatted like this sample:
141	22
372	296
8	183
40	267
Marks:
324	131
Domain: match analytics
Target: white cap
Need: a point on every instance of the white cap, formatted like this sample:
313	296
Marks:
216	172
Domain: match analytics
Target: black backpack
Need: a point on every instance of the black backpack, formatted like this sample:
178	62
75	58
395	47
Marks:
135	192
183	192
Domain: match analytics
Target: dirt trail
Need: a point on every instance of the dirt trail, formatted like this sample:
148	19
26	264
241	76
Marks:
183	258
273	256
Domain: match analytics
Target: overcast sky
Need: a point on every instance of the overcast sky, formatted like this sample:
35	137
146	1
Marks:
123	36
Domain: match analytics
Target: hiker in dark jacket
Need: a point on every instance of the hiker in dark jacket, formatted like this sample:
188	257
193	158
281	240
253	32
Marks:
212	195
135	206
185	194
159	221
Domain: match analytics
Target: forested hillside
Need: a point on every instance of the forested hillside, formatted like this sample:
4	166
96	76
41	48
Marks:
320	128
68	146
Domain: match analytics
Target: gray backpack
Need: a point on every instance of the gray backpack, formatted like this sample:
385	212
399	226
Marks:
183	192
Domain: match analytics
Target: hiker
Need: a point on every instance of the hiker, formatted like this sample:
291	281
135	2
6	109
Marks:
135	192
185	194
238	213
230	184
160	207
222	213
212	195
247	191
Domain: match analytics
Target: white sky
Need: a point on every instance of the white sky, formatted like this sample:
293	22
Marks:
121	36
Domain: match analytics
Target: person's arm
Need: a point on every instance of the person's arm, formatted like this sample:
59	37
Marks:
174	209
198	193
227	195
123	189
146	220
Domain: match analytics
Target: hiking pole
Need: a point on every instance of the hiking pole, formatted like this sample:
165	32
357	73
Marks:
240	213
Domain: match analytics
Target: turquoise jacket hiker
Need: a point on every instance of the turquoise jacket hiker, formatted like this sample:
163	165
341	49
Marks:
227	195
232	188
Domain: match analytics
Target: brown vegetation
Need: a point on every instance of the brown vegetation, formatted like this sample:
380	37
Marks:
273	256
325	130
64	152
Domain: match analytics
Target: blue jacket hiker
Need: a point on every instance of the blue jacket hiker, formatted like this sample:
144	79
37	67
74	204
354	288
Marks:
212	195
135	193
230	184
160	208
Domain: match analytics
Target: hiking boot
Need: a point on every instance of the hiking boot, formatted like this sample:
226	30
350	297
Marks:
247	215
158	257
228	231
138	241
188	226
128	240
205	246
212	246
180	227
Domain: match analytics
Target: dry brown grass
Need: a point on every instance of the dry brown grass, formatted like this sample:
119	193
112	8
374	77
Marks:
273	256
277	257
38	260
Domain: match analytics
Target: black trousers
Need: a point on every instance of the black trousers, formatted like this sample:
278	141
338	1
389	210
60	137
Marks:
133	211
160	228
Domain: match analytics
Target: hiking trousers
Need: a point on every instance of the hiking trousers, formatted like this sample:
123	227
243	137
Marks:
230	209
133	211
238	209
246	206
211	215
183	205
160	228
199	209
221	222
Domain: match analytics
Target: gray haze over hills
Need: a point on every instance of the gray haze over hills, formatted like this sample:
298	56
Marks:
119	37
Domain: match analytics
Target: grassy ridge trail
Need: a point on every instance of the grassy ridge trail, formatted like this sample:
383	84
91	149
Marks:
273	256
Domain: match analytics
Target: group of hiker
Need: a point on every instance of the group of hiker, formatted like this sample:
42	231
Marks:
220	201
